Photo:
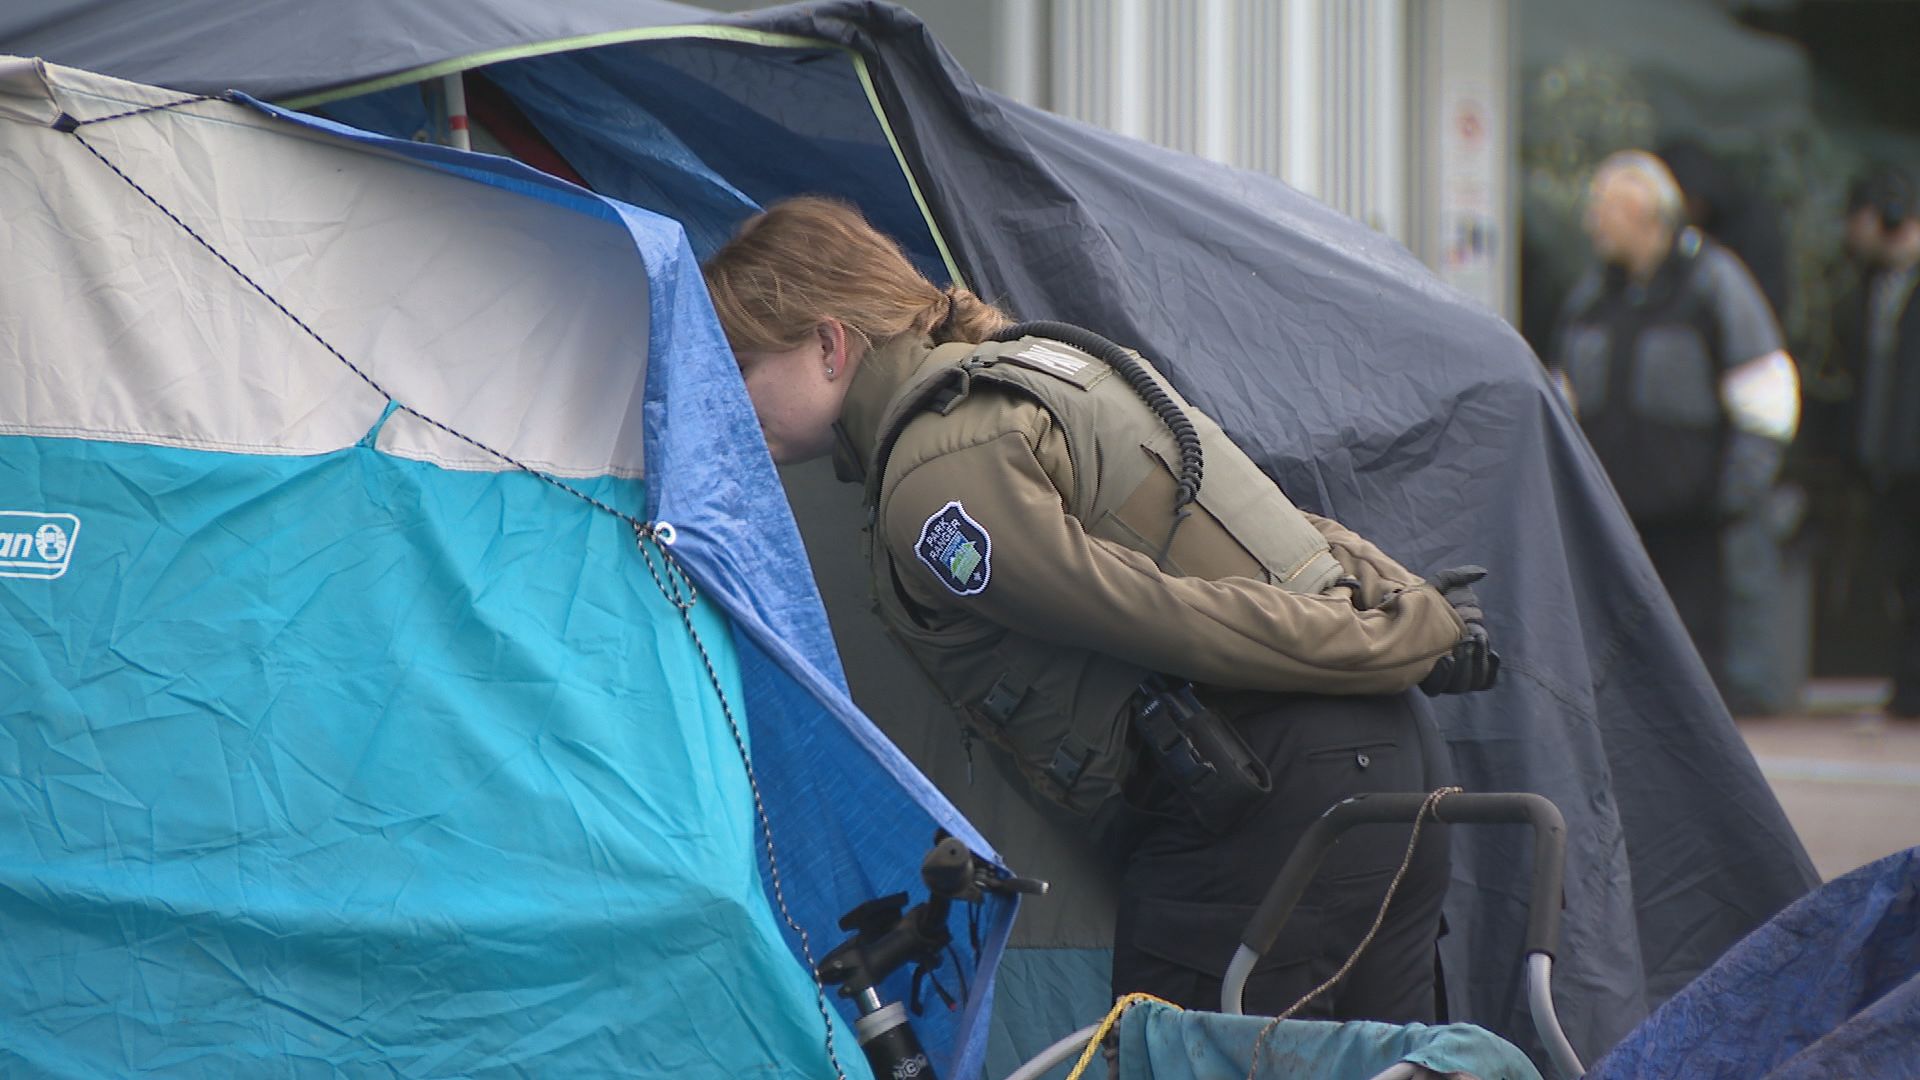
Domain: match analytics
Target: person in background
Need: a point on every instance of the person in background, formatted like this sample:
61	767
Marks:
1876	359
1766	655
1674	363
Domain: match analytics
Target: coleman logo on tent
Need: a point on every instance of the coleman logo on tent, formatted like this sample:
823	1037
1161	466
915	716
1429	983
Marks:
36	545
956	549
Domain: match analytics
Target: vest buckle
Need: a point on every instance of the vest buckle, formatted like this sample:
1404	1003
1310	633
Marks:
1070	759
1006	694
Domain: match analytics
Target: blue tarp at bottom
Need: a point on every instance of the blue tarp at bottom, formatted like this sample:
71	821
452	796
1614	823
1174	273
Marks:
1829	988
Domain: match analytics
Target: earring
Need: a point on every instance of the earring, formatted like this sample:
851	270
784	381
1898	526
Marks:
829	371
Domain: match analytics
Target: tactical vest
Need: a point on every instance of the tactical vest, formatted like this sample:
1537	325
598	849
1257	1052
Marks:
1063	713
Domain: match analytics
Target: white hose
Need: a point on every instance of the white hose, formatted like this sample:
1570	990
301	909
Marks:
1055	1054
1233	988
1546	1021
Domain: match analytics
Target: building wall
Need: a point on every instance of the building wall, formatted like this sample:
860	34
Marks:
1463	137
1397	112
1311	91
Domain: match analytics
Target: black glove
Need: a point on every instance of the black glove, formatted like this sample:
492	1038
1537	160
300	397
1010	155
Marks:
1472	665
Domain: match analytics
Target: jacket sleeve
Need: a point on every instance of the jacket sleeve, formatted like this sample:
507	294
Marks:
1378	574
1039	573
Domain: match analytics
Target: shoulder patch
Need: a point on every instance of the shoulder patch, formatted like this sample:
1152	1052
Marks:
1058	361
957	549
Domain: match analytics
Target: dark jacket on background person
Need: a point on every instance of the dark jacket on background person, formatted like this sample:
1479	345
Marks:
1882	434
1882	442
1644	363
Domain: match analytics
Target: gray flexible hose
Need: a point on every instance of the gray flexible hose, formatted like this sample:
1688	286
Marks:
1546	1021
1055	1054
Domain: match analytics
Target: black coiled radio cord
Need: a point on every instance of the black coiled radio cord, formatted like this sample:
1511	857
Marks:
1185	435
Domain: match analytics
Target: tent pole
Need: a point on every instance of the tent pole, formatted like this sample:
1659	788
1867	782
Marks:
454	90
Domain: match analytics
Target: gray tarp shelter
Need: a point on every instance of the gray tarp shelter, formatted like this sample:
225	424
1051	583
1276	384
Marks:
1370	392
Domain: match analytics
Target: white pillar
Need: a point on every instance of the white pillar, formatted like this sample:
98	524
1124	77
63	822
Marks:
1387	118
1219	107
1021	36
1128	86
1302	102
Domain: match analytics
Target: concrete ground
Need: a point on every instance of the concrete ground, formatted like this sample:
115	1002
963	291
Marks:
1847	776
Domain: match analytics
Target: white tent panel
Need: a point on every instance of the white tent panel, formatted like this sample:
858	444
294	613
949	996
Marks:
519	322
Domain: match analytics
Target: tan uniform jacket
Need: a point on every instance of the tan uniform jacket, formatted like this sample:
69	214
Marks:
998	457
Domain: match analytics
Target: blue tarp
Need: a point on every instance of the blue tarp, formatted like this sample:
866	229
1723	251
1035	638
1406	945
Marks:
1829	988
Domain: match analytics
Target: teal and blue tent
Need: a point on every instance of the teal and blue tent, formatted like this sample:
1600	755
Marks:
1369	390
408	665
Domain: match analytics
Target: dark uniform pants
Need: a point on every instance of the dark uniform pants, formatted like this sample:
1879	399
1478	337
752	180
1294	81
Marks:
1187	894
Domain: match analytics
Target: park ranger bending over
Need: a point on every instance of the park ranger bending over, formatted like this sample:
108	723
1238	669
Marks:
1106	588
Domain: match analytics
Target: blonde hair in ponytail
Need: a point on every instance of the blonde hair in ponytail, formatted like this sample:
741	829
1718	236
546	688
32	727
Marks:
809	259
969	318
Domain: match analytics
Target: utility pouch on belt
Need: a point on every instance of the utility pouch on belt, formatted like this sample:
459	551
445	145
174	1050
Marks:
1200	754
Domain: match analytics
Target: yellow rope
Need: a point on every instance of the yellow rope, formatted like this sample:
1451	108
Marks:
1127	1001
